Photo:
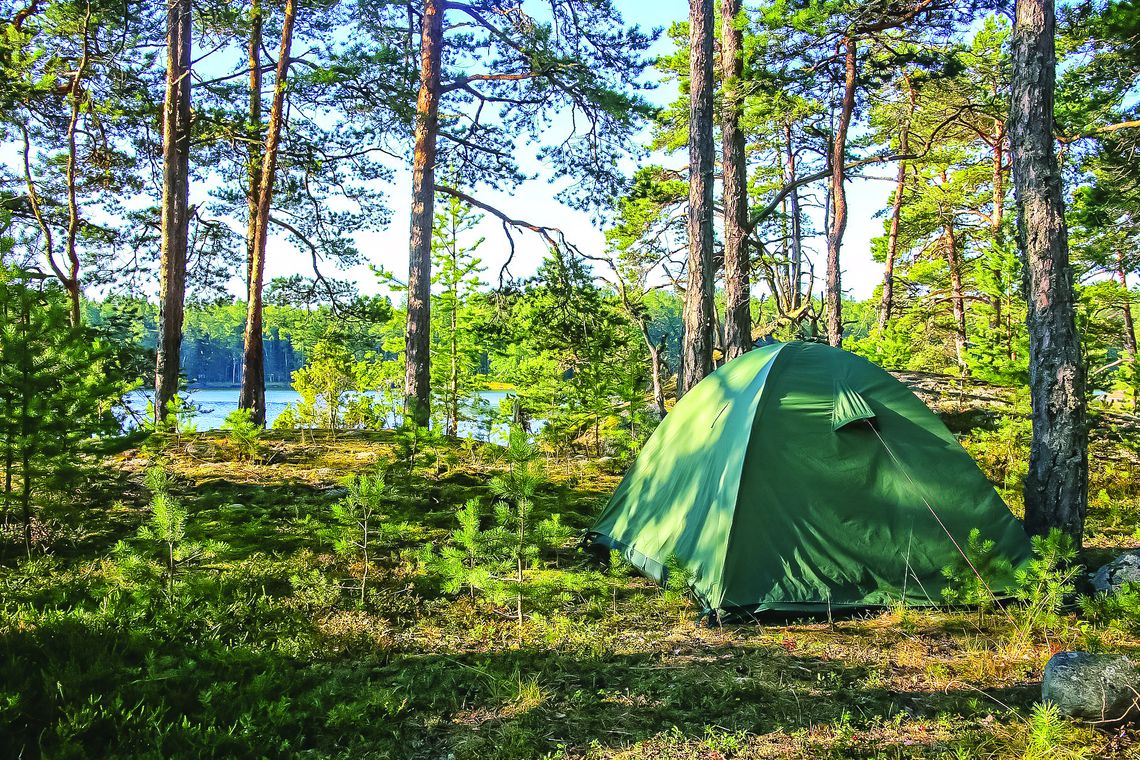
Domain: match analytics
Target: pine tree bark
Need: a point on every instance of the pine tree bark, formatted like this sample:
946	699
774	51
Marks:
737	295
656	362
997	216
698	316
252	395
417	377
76	97
253	157
175	203
797	224
453	373
1056	488
887	301
1126	311
957	297
839	196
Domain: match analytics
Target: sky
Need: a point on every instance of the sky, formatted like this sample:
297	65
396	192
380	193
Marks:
534	201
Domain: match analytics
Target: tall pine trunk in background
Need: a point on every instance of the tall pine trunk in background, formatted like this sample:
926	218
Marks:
737	312
797	262
417	373
252	396
839	196
957	295
1056	488
697	342
1126	311
997	216
887	302
253	160
175	203
76	95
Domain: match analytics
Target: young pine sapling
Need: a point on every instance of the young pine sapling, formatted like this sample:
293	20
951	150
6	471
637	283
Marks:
357	517
244	434
167	526
514	491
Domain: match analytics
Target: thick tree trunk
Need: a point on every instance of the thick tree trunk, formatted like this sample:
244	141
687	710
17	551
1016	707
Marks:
698	315
175	203
887	302
252	396
253	157
839	197
737	311
1056	488
417	373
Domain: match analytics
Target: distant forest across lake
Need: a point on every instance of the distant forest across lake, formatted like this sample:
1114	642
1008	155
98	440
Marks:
212	343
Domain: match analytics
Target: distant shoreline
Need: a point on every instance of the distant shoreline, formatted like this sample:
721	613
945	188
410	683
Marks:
491	386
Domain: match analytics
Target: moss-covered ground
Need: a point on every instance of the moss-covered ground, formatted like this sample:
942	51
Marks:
265	648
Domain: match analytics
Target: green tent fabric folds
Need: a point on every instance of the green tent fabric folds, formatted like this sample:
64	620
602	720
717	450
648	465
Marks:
800	477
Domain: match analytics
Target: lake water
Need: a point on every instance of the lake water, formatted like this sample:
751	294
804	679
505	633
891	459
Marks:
215	403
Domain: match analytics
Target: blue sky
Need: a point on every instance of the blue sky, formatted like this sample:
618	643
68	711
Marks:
534	201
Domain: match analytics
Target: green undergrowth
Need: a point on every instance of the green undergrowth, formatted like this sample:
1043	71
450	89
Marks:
326	600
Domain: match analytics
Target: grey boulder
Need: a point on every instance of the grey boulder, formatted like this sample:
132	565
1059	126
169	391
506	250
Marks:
1092	687
1123	569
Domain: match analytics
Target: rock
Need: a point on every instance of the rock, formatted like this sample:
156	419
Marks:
1123	569
1093	687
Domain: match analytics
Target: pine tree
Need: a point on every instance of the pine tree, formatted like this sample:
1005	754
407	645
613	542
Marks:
456	352
56	397
1056	489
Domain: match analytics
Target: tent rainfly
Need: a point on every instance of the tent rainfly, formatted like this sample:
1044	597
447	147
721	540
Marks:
800	477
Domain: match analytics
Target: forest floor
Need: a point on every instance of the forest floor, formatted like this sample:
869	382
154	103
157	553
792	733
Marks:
266	648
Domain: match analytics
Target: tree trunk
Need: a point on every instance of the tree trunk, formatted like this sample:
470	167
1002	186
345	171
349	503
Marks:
453	375
887	302
737	311
253	159
417	374
656	361
697	343
797	225
76	97
839	198
996	218
1056	488
1126	311
252	396
957	298
175	203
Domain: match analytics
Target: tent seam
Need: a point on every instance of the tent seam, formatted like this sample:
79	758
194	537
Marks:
761	404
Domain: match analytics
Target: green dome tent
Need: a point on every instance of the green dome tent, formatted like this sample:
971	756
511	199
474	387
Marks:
800	477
